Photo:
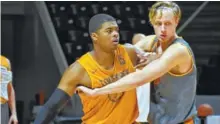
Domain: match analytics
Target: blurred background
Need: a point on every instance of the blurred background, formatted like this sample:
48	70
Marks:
42	38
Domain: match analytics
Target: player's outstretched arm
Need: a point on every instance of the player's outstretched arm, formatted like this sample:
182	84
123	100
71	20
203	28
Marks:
61	95
173	56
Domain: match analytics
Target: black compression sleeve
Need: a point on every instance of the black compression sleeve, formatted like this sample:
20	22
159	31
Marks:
52	107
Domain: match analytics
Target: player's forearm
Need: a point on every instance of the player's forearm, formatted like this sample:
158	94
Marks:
127	83
11	99
133	80
52	107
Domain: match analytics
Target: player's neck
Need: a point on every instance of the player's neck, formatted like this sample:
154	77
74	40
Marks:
104	59
166	44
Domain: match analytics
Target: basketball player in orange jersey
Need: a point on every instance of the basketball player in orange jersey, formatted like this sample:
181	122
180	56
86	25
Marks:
173	75
107	63
7	97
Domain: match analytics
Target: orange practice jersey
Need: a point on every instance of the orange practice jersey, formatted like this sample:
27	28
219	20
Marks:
119	108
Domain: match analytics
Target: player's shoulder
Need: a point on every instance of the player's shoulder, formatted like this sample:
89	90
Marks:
131	51
76	67
76	70
181	46
178	48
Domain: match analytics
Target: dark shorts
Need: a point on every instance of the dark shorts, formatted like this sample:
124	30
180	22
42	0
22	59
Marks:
4	113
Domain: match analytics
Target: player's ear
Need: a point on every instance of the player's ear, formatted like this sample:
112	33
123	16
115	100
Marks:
177	21
94	37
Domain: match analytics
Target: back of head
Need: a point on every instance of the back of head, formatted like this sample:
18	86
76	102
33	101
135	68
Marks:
164	5
97	20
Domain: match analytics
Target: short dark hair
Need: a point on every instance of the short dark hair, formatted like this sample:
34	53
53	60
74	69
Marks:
97	20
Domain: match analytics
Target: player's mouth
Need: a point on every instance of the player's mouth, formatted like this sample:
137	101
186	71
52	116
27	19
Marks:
163	36
115	41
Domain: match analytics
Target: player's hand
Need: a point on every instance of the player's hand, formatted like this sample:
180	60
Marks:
87	91
146	58
13	119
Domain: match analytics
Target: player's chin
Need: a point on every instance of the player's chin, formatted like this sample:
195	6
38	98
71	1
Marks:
114	47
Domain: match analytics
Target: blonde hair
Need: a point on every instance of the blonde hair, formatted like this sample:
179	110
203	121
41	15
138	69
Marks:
164	5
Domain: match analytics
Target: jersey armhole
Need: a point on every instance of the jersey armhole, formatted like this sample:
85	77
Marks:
192	63
87	72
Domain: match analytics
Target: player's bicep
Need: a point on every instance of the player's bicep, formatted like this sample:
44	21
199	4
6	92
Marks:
70	79
146	43
140	44
170	58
